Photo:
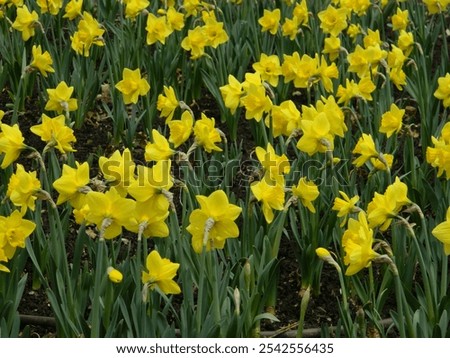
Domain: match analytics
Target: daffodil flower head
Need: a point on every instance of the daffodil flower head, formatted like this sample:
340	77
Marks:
365	147
118	170
443	90
391	121
442	233
167	103
25	22
42	61
51	6
345	206
195	42
132	85
159	149
157	29
256	102
134	7
73	9
181	130
231	93
72	185
270	21
269	68
160	272
213	222
11	143
333	20
307	192
59	99
274	165
55	132
23	187
114	275
270	194
206	134
284	119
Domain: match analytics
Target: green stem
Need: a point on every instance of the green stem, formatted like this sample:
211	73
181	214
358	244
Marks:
99	273
303	307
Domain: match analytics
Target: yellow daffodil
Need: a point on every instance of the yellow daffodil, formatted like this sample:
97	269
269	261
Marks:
301	12
269	68
150	219
159	149
55	132
274	165
2	114
51	6
167	103
332	47
89	32
270	21
231	93
118	170
191	7
384	164
256	102
345	206
384	207
290	28
195	42
213	222
214	31
357	242
439	155
271	194
160	273
332	20
11	143
23	187
73	9
206	134
134	7
25	22
365	147
284	119
175	19
114	275
436	6
41	61
109	212
181	130
391	121
157	29
400	20
72	185
316	135
353	31
406	42
443	90
14	230
152	183
442	232
307	192
132	85
59	99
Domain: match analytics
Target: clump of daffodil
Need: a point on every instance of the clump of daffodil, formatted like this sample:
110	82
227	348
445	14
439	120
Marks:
109	211
167	103
159	148
14	230
345	206
42	61
55	133
59	99
385	207
132	85
89	32
159	272
118	170
442	232
307	192
72	185
206	134
439	155
23	189
271	195
357	242
11	143
26	22
213	222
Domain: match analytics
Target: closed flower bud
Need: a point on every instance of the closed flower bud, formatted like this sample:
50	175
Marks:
114	275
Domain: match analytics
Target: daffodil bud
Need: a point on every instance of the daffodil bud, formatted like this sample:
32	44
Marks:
114	275
237	301
325	255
